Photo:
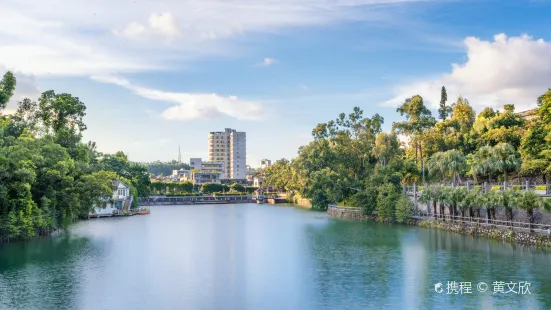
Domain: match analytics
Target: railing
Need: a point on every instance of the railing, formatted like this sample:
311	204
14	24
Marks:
477	221
546	191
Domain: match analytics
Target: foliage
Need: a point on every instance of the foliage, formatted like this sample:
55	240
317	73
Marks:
404	209
165	168
49	178
386	202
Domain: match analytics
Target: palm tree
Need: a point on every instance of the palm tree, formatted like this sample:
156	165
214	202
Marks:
455	163
529	200
469	201
437	165
432	194
482	163
451	196
505	159
505	200
491	202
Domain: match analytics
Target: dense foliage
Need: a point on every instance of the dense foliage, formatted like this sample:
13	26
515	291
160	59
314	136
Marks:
48	176
165	168
351	161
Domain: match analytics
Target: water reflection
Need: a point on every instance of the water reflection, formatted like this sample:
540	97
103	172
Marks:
368	265
43	273
262	257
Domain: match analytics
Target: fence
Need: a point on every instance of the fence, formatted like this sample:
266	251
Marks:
492	223
541	189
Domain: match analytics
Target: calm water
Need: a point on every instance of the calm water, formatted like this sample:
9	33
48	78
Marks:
262	257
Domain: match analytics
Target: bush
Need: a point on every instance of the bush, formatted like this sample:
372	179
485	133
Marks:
386	201
209	188
237	187
250	189
404	209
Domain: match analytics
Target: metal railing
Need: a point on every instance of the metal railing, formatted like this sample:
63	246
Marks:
486	222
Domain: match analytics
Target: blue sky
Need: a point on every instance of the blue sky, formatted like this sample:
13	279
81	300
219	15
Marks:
158	75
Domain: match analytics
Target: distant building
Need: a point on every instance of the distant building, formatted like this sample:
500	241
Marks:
258	181
120	201
180	175
230	147
200	178
265	163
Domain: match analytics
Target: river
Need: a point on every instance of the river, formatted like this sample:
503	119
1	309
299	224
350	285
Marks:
248	256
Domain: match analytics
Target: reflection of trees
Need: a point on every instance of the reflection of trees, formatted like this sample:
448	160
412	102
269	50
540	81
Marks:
368	265
40	274
459	257
354	264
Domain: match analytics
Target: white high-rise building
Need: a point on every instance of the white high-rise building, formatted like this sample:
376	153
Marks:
229	146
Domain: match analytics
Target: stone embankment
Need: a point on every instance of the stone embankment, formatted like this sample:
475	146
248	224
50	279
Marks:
467	229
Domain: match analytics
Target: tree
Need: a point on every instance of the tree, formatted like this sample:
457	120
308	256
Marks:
236	187
482	163
386	147
209	188
529	201
404	209
386	201
7	87
505	159
443	110
418	119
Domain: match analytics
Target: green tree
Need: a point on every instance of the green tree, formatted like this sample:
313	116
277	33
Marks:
529	201
418	119
386	202
7	87
404	209
505	159
443	110
236	187
209	188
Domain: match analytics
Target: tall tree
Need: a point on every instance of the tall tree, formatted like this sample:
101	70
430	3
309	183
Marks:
418	119
7	87
443	110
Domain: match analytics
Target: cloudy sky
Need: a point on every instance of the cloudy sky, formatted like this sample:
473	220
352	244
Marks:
156	75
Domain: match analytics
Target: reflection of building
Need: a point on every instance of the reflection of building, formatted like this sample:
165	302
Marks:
118	203
265	163
230	147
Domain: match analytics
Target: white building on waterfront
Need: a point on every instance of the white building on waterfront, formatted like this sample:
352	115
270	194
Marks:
230	147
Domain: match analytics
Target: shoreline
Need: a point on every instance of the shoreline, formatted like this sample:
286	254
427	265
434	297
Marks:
483	231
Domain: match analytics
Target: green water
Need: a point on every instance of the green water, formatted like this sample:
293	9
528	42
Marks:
250	256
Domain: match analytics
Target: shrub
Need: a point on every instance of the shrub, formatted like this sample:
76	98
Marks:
386	201
404	209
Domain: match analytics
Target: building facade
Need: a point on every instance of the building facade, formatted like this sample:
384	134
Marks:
265	163
230	147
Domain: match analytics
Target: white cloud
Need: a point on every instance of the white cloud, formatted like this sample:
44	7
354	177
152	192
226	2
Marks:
37	37
507	70
164	25
190	106
267	62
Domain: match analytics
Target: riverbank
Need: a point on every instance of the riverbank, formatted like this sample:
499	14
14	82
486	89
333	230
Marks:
466	229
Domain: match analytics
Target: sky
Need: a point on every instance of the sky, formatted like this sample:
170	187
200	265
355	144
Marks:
158	75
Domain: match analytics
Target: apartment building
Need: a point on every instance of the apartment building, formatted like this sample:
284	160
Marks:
230	147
